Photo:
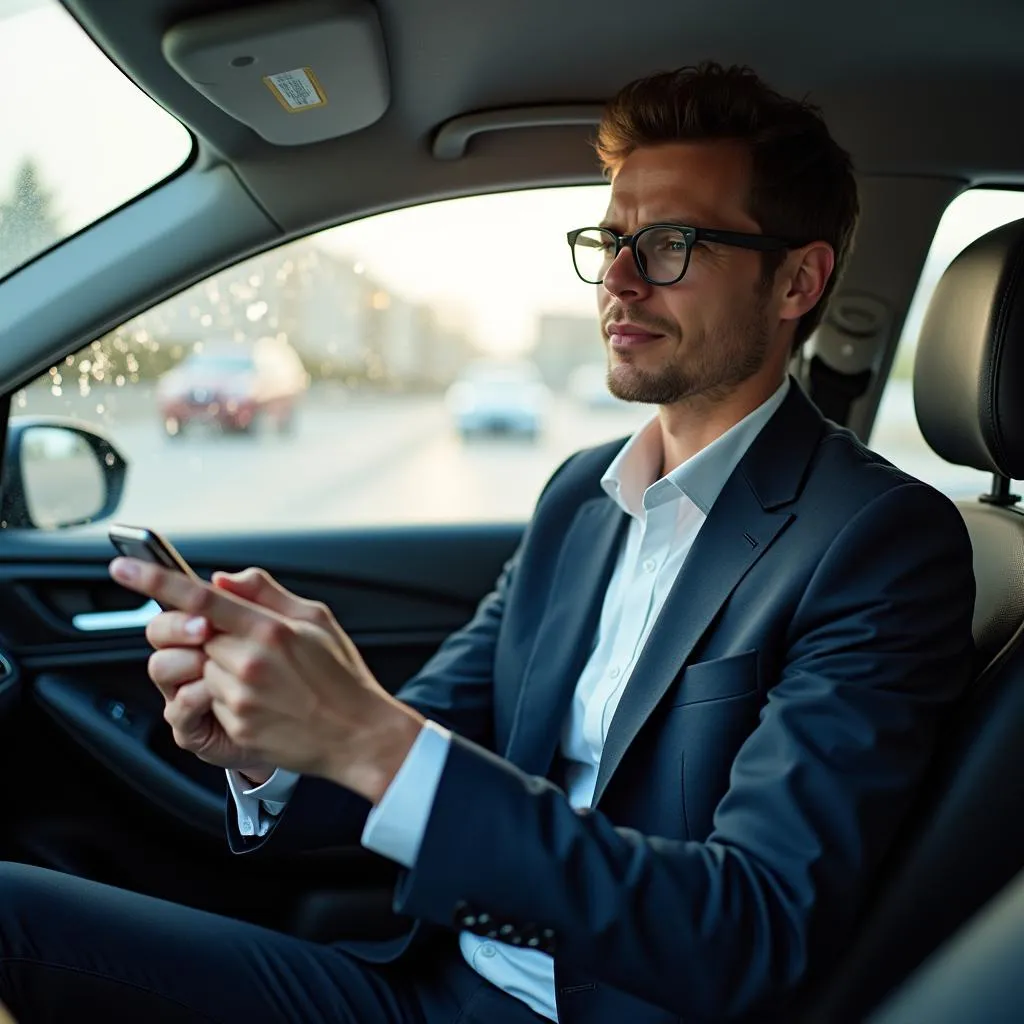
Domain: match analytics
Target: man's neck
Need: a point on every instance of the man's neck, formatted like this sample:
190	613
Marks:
689	426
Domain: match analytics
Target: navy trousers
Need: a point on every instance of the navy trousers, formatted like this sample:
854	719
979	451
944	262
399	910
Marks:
71	949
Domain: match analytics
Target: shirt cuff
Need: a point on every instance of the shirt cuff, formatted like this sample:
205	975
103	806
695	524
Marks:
396	826
257	804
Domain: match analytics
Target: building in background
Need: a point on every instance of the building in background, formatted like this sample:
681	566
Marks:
344	325
565	341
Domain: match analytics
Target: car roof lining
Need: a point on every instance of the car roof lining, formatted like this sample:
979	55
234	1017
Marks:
948	70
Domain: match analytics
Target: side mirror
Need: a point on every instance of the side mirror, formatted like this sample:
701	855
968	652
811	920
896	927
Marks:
58	473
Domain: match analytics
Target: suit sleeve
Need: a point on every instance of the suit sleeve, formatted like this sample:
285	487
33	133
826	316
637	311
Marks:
878	647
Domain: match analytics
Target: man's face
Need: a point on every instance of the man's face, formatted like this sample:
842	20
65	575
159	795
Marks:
713	329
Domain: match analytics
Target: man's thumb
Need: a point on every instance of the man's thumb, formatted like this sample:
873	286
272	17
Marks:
259	587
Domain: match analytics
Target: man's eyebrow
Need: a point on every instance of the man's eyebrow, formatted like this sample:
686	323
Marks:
685	221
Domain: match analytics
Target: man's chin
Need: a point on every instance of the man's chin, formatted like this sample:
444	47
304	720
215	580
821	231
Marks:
628	384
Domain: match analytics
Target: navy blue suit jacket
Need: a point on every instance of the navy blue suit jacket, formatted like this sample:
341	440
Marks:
765	750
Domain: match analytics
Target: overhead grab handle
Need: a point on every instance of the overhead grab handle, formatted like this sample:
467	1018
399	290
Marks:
453	136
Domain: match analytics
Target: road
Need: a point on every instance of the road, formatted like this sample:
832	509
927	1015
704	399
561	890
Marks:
372	460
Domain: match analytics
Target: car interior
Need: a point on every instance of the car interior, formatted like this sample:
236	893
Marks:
431	102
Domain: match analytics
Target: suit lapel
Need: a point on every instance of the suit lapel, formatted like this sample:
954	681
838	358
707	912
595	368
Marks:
733	538
585	564
740	527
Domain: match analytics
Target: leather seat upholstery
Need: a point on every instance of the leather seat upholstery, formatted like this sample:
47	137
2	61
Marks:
969	398
965	839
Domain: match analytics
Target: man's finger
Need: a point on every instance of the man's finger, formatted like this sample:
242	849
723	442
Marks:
246	661
254	684
233	707
224	686
178	629
172	667
237	731
258	586
172	589
185	712
246	675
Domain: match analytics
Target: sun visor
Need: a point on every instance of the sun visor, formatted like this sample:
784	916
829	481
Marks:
294	72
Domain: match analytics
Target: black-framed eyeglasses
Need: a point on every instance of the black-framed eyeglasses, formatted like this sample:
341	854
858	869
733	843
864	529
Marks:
661	251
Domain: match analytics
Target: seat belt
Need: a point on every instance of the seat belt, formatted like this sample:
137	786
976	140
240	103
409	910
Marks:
834	392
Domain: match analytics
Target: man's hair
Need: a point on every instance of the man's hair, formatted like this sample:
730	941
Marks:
802	185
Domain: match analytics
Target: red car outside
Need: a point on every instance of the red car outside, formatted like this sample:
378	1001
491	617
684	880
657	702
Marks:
235	389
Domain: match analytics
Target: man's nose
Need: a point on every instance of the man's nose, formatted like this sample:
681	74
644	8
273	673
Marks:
623	278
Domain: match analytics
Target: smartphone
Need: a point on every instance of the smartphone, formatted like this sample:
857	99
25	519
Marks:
150	546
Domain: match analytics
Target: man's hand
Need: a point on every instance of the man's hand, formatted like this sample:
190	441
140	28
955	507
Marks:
177	667
178	664
284	683
259	587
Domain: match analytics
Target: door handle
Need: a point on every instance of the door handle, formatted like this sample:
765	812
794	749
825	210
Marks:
131	618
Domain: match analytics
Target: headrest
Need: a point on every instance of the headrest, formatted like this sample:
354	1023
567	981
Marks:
969	367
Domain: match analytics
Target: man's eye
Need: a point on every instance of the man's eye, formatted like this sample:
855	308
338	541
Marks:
671	245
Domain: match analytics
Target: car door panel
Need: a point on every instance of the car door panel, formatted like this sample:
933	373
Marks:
102	789
10	686
118	720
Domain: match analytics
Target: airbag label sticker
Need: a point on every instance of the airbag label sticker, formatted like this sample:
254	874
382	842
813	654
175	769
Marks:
296	90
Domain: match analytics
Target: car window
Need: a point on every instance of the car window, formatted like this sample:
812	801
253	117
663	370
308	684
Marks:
200	361
429	365
79	139
896	434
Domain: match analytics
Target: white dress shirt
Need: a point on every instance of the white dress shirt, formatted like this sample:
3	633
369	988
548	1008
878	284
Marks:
666	514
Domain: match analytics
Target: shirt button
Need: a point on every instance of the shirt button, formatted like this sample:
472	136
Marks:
650	565
487	950
615	672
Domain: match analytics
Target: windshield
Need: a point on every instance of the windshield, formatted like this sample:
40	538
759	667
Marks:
78	138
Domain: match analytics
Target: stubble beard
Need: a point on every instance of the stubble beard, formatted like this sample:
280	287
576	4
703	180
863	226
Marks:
723	360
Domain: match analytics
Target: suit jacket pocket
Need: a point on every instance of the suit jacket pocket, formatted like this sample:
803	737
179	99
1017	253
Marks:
717	679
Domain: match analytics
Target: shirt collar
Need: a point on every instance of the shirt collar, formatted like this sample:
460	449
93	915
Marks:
633	479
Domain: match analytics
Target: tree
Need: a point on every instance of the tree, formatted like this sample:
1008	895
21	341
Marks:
28	222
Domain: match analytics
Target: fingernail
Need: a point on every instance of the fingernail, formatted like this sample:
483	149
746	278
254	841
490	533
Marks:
124	569
195	627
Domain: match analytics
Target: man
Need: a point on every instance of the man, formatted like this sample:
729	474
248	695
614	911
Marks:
654	776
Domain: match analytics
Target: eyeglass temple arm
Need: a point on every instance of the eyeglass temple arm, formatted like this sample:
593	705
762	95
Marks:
765	243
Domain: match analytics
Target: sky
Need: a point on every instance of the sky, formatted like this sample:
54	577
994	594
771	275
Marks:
98	138
496	260
500	259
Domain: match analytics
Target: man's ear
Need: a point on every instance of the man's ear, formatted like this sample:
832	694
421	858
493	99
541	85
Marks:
804	275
